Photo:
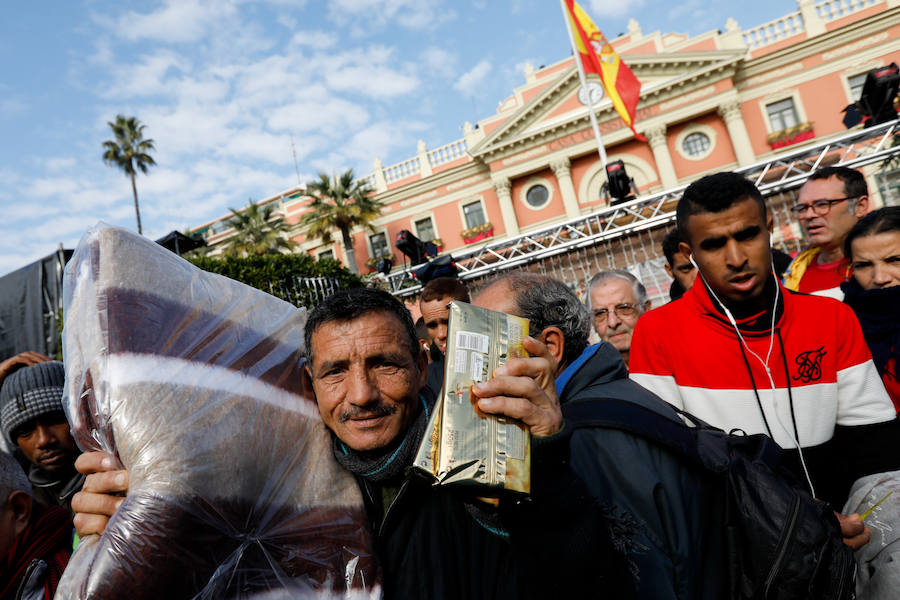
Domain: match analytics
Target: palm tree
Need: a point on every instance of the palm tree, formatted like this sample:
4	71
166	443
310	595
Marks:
339	203
129	151
256	232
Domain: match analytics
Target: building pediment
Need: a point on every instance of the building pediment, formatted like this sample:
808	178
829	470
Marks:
557	106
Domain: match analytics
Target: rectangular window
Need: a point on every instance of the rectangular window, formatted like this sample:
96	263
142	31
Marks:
379	244
782	115
326	254
425	229
474	214
856	85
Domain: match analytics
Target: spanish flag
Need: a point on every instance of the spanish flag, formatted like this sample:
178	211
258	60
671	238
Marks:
598	57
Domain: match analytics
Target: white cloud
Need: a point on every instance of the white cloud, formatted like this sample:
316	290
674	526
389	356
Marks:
258	145
12	106
439	61
469	82
372	81
412	14
327	114
222	106
314	39
148	77
620	8
177	21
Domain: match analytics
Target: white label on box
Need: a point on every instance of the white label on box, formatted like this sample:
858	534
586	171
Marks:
515	441
477	371
460	362
469	340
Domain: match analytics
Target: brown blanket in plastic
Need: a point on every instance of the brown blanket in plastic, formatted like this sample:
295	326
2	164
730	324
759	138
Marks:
194	381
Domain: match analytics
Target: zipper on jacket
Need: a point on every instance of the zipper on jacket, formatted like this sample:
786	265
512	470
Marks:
843	585
29	572
389	509
786	535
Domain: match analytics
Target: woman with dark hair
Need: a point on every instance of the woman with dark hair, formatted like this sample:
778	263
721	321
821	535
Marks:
873	246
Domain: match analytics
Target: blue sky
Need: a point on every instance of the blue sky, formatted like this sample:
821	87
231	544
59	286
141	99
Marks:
224	85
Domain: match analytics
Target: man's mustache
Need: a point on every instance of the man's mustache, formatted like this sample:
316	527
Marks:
372	412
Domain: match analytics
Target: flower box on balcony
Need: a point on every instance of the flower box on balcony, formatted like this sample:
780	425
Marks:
372	263
790	136
477	233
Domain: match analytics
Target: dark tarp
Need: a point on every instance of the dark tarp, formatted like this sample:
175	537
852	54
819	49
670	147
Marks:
30	304
179	243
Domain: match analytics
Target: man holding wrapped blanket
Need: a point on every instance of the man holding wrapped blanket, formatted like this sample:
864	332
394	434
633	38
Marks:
368	375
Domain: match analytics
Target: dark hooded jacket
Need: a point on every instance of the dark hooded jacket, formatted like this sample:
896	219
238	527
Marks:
664	494
55	489
437	542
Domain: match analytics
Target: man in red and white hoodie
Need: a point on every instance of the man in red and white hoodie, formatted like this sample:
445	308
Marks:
740	351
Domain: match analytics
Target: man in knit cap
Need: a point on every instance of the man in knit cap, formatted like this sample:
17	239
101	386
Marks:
33	421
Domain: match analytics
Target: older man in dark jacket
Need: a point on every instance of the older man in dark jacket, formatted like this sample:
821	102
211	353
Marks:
620	469
368	374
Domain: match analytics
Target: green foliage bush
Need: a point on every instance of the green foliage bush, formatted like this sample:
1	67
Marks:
281	274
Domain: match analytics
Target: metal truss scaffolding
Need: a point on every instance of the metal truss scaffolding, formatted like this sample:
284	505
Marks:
779	174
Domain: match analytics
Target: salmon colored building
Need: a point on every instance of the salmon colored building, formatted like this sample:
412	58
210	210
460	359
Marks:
716	101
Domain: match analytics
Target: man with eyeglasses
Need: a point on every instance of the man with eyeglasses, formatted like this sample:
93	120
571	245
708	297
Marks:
829	204
617	299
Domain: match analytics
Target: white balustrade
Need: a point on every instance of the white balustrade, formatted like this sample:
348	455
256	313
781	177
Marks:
401	170
774	31
835	9
447	153
368	181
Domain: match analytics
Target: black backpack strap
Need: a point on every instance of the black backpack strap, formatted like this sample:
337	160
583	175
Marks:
615	413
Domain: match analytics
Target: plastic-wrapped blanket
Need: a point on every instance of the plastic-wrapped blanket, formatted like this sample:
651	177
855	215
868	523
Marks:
194	381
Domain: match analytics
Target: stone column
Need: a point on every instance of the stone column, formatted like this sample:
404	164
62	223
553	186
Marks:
812	22
656	135
473	135
424	163
563	172
733	36
380	181
503	187
730	111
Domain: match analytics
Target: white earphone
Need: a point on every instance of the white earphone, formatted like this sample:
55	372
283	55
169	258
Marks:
765	363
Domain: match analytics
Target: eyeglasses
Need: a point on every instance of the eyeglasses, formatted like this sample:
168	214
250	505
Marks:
819	207
622	311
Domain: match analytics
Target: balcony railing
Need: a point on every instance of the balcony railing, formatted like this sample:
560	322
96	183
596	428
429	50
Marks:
447	153
774	31
831	10
401	170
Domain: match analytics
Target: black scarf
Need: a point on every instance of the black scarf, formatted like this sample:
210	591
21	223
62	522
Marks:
392	461
880	319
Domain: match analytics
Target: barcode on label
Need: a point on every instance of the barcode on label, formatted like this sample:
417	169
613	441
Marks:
472	341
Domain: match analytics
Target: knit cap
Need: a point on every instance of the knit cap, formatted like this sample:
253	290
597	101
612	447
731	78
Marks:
29	393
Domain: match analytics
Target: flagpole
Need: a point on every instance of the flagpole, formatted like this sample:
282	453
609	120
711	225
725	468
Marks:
601	150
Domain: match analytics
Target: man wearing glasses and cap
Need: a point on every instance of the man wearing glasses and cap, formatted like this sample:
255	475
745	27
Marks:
617	299
829	204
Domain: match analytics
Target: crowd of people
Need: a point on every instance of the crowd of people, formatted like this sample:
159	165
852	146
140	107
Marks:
748	344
